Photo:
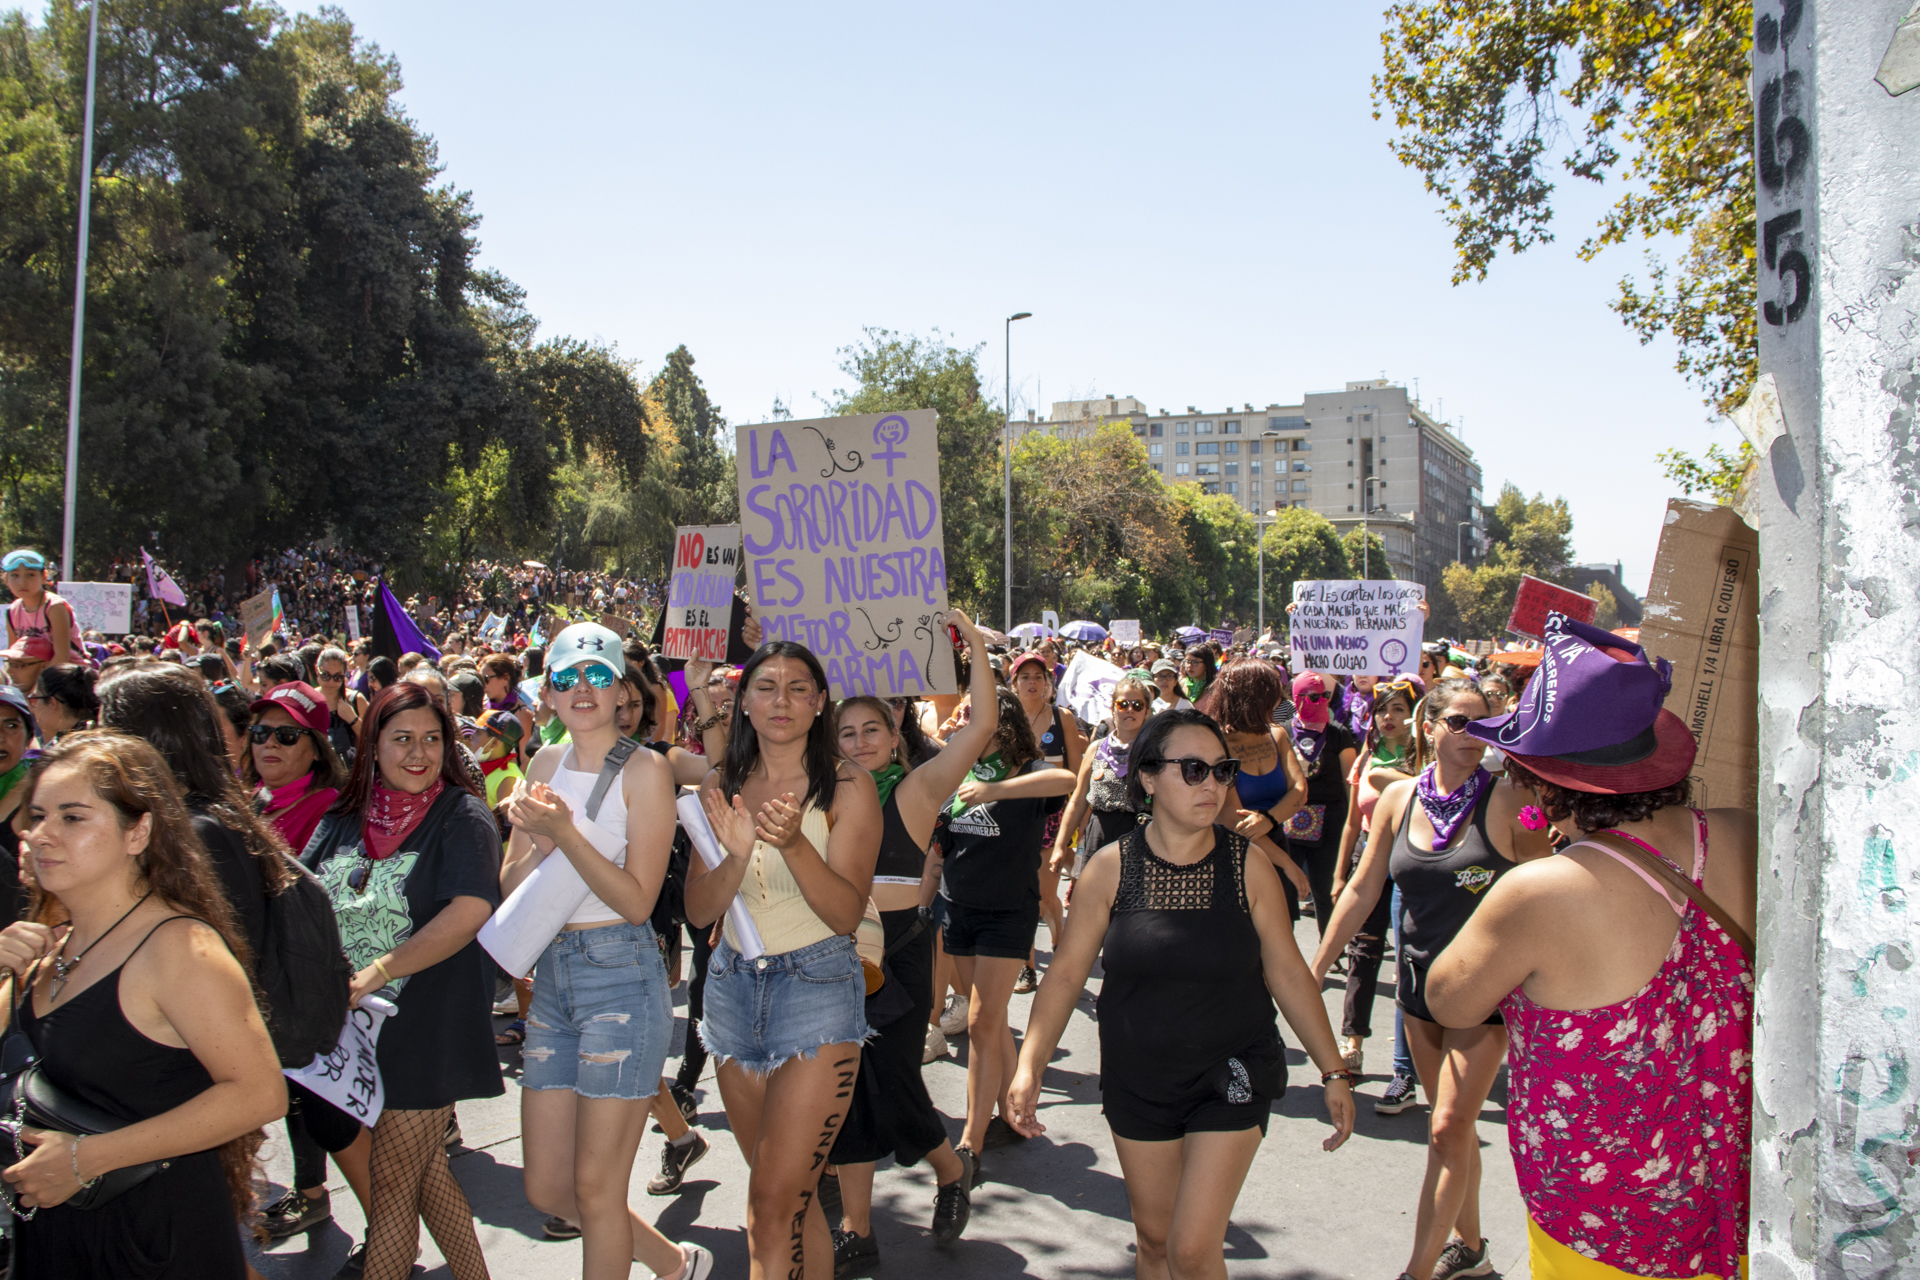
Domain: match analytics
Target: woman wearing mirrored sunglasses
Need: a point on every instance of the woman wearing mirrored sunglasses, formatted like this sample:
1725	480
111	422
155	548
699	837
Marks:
291	768
601	1015
410	858
1195	946
1456	831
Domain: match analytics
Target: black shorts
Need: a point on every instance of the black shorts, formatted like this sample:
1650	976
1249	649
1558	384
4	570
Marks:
1140	1119
1410	993
330	1127
1001	933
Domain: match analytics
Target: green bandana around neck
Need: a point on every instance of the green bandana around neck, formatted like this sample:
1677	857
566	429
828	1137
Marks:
11	778
989	769
888	778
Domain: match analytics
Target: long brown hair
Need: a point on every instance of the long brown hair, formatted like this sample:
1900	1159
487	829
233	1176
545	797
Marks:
1243	695
391	701
135	779
1013	739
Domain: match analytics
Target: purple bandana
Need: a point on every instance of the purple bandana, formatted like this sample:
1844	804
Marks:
1308	744
1110	753
1447	812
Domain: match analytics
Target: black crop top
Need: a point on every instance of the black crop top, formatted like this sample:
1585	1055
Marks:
901	861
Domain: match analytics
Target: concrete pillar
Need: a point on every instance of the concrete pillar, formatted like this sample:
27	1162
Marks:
1837	503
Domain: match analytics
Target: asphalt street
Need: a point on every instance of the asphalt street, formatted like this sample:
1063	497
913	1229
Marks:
1054	1207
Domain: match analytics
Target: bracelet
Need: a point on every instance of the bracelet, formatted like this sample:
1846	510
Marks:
1342	1074
73	1158
381	965
701	726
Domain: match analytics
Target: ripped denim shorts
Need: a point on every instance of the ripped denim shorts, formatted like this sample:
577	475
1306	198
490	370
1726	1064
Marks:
601	1016
765	1012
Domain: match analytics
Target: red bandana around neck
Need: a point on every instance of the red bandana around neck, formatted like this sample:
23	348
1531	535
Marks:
392	815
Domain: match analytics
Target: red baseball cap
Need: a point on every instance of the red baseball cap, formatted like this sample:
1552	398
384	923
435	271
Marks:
301	701
1029	658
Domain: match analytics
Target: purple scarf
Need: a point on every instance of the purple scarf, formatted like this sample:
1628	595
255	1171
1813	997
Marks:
1308	744
1447	812
1357	707
1110	753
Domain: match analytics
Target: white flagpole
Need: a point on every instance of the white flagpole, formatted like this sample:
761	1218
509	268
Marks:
67	568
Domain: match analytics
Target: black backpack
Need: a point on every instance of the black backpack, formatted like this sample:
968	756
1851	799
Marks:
304	971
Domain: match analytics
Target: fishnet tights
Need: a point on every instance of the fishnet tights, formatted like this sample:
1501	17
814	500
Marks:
411	1183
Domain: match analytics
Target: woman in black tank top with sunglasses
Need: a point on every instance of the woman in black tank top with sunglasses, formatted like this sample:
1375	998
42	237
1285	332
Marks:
129	988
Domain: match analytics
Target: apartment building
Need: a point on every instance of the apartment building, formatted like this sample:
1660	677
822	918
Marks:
1367	454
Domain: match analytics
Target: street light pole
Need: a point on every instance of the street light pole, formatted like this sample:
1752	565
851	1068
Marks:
1018	315
67	569
1260	526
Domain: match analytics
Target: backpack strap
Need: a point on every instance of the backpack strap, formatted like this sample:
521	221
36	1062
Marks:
617	756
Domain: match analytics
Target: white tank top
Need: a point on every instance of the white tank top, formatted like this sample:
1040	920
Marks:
576	785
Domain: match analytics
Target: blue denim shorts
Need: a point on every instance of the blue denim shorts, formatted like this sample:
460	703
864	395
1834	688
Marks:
762	1013
601	1016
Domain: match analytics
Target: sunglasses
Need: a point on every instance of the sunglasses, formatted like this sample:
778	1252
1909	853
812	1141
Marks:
357	878
1456	724
598	674
1129	704
1317	697
1194	771
284	734
332	677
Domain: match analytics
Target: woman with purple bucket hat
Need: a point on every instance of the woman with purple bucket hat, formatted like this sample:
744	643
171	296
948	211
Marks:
1624	968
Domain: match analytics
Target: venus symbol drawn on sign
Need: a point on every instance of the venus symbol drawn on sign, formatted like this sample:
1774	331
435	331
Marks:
890	432
1394	654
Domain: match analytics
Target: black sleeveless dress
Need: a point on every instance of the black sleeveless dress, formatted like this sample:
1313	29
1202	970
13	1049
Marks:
891	1112
1188	1037
178	1224
1438	891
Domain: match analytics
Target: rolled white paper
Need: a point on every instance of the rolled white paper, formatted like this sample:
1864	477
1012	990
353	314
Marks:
694	819
536	911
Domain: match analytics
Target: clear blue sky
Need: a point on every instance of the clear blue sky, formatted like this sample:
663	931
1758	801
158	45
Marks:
1194	201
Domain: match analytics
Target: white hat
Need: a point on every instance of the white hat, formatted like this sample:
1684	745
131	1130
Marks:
586	642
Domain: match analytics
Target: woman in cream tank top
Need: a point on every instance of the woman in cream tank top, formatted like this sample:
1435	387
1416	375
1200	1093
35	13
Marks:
801	830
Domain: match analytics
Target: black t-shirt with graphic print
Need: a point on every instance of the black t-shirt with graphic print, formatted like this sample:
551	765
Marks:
993	852
439	1048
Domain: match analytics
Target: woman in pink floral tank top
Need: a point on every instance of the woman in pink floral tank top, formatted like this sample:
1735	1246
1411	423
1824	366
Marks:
1628	1000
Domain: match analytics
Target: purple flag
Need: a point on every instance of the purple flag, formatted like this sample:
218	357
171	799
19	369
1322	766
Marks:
160	585
395	633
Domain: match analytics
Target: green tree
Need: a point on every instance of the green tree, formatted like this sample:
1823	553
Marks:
1368	559
1719	473
702	475
1302	546
1606	614
894	371
1221	578
1528	536
1491	96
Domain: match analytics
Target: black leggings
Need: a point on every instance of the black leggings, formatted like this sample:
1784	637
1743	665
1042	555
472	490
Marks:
693	1058
1364	955
1318	861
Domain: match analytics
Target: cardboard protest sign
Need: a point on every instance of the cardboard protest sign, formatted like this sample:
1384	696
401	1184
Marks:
706	558
1538	597
1222	635
106	607
353	622
1703	615
349	1077
1125	631
256	618
845	547
1354	627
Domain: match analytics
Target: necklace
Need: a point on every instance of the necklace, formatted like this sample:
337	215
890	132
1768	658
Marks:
63	967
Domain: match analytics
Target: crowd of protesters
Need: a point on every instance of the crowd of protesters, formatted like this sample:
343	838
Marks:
845	887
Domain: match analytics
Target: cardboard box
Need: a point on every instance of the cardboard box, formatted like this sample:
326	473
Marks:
1703	615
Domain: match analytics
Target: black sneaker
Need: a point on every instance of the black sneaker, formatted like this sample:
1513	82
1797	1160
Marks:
1001	1134
953	1203
1456	1260
854	1255
829	1197
558	1228
295	1212
975	1176
1027	981
356	1264
1402	1092
674	1163
683	1098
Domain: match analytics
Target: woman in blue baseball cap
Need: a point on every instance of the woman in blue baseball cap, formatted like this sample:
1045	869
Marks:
36	611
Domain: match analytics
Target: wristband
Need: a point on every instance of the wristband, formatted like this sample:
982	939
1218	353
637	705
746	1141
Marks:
73	1158
1342	1074
381	965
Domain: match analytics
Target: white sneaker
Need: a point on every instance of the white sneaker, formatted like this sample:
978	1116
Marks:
699	1263
953	1020
936	1046
1352	1052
